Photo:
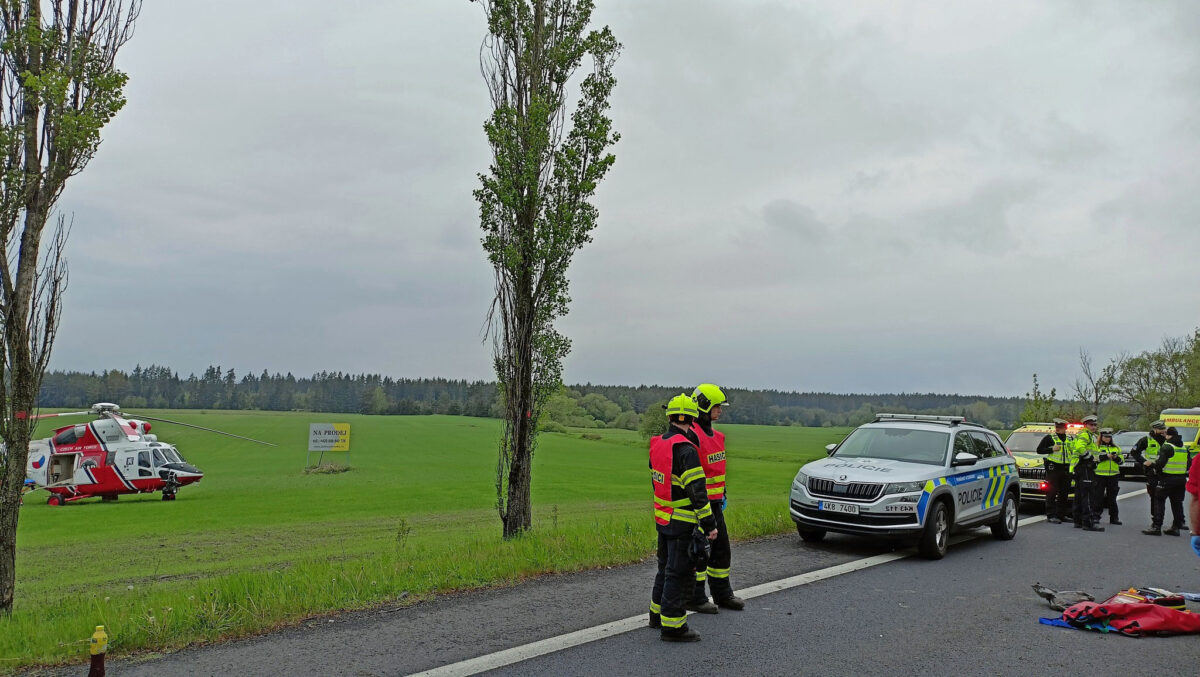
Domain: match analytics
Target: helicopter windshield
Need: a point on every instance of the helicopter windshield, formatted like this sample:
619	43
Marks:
159	459
172	456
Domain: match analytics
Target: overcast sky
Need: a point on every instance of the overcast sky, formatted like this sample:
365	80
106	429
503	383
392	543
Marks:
838	196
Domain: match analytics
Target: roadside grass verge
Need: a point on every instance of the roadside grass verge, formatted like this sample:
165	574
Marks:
259	544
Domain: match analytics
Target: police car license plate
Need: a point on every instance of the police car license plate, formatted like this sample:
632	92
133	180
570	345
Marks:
828	506
1031	484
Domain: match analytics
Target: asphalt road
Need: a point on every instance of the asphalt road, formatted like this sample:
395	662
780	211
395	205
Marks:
972	613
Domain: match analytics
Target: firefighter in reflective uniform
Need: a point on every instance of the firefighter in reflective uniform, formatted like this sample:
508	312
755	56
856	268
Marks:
1108	477
1145	453
709	400
1170	471
1056	447
680	507
1083	466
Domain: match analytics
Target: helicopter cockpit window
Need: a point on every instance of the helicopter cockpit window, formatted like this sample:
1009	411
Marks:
66	437
159	459
172	456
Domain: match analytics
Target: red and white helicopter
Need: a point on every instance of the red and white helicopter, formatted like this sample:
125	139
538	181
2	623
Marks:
110	456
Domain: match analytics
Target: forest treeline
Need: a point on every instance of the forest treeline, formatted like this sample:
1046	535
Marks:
583	405
1129	391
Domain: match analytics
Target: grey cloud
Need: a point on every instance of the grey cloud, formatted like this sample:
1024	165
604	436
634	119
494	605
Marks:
863	180
1053	141
794	220
1159	208
979	220
790	165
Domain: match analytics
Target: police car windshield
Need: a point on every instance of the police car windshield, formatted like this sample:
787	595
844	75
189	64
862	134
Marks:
1024	442
896	444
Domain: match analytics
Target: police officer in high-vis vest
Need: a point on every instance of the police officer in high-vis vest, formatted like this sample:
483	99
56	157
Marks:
1108	477
1171	472
709	400
1145	453
1083	465
1055	447
680	507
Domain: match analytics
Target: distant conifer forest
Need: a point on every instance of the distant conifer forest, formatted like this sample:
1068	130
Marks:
580	405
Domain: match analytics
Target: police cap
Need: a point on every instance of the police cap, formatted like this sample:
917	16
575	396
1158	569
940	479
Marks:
1091	418
1158	425
1106	431
1058	422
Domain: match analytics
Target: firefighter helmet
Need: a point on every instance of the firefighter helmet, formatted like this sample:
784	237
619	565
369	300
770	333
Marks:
682	405
708	396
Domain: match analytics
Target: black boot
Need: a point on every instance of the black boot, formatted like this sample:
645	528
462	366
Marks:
1053	520
655	621
681	634
1173	531
732	602
702	606
1153	531
1092	527
1114	520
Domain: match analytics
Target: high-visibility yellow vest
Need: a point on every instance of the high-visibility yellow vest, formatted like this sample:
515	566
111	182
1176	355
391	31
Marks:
1105	466
1177	463
1151	448
1060	456
1084	443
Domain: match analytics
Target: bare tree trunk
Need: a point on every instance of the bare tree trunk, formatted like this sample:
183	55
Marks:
517	515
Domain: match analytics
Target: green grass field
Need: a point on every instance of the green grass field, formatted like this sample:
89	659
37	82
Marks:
259	544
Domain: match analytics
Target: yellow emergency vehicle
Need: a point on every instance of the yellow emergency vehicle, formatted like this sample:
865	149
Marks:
1031	468
1187	422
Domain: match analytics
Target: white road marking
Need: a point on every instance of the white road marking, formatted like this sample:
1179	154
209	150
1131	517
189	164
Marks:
474	666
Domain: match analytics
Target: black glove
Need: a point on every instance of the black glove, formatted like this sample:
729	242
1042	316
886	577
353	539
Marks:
699	550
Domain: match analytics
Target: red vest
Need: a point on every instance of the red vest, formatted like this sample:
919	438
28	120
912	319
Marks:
661	460
712	457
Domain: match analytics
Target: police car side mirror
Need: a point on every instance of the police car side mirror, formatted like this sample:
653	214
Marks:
963	458
829	449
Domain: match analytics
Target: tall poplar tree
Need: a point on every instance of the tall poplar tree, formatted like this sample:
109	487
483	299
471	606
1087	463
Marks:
58	88
535	205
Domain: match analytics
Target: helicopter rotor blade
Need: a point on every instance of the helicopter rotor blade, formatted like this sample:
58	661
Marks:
198	427
65	413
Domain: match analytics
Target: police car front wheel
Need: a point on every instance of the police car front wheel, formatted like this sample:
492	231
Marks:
936	536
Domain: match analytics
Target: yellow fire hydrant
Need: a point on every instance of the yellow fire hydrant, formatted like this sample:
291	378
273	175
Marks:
99	647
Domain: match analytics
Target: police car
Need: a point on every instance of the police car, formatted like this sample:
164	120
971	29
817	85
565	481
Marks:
913	477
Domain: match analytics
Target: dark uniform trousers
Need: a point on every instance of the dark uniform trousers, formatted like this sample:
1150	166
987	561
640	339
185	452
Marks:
1057	495
1169	487
1104	495
1151	489
718	562
1085	481
675	576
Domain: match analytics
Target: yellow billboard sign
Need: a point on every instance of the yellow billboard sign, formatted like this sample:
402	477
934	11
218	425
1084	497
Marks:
329	437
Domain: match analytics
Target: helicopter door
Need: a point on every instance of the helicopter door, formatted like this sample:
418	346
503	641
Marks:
62	468
144	469
38	464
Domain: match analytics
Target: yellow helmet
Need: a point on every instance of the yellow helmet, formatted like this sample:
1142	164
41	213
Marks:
708	396
682	405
